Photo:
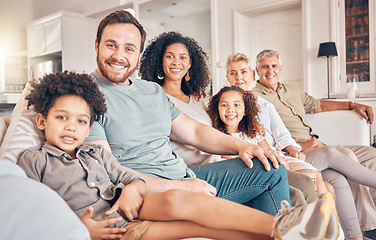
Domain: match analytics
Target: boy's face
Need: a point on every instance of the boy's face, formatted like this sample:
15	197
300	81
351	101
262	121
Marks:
67	124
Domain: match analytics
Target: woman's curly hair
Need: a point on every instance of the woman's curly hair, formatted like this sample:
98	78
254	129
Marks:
250	124
52	86
152	63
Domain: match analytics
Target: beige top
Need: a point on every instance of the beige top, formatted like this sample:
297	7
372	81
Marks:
192	156
292	103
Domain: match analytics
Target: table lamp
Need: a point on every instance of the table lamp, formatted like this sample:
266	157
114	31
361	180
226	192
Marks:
327	49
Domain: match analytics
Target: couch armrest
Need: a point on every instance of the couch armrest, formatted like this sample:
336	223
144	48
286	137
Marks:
343	127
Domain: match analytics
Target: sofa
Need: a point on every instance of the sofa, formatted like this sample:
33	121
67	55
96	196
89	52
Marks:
20	132
342	127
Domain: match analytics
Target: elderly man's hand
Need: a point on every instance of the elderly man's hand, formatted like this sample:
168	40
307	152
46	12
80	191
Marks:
311	144
364	110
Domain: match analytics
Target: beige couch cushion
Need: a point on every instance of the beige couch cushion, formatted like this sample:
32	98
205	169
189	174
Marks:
22	132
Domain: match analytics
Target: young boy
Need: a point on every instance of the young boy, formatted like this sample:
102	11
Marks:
108	198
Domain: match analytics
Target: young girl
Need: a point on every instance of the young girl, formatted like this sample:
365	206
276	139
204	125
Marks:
235	112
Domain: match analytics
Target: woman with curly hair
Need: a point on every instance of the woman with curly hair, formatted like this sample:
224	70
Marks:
180	66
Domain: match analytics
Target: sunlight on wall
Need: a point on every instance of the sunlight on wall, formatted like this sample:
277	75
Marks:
2	71
131	11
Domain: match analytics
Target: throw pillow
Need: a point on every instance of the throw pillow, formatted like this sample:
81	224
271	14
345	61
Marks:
22	132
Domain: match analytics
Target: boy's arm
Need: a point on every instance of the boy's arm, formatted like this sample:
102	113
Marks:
99	229
33	163
130	200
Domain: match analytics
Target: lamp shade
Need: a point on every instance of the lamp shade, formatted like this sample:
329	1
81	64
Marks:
327	49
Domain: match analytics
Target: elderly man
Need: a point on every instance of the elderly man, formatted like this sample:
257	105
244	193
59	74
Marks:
292	103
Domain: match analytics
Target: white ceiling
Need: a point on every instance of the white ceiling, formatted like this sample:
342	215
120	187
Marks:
167	10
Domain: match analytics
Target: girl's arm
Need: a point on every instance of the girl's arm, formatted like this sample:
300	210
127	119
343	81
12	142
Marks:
290	149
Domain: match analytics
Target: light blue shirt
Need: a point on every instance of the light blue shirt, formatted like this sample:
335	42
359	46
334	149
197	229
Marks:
137	126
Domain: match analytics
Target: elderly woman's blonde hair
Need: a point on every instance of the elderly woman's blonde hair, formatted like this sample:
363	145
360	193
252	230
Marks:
237	57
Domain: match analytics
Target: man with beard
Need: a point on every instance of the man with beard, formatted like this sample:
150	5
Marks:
141	120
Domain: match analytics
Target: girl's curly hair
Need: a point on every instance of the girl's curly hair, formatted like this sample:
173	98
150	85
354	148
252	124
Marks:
152	65
52	86
250	124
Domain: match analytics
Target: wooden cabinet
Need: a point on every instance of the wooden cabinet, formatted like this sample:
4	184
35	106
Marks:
356	37
66	38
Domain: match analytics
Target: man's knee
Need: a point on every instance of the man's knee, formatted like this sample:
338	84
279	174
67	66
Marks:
348	153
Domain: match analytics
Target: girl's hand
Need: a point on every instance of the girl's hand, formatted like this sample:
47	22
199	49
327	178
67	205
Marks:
298	155
99	229
130	200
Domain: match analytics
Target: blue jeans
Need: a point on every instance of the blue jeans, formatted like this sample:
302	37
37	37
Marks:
236	182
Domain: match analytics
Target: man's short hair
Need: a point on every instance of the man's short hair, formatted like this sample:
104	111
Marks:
267	53
121	16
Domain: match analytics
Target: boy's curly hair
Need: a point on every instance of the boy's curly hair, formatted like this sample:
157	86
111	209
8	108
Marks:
250	124
151	63
52	86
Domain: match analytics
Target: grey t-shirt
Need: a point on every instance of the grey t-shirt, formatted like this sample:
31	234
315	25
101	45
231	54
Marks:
137	126
94	178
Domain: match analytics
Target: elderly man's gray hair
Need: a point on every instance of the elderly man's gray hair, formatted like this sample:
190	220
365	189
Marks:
267	53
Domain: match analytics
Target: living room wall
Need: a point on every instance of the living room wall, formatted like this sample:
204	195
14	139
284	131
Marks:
316	29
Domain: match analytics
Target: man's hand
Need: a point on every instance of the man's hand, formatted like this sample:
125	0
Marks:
198	186
364	111
99	229
311	144
262	154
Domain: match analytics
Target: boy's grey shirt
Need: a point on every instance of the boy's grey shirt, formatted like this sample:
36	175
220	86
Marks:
95	178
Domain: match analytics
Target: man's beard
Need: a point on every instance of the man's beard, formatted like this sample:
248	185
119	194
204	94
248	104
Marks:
114	78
